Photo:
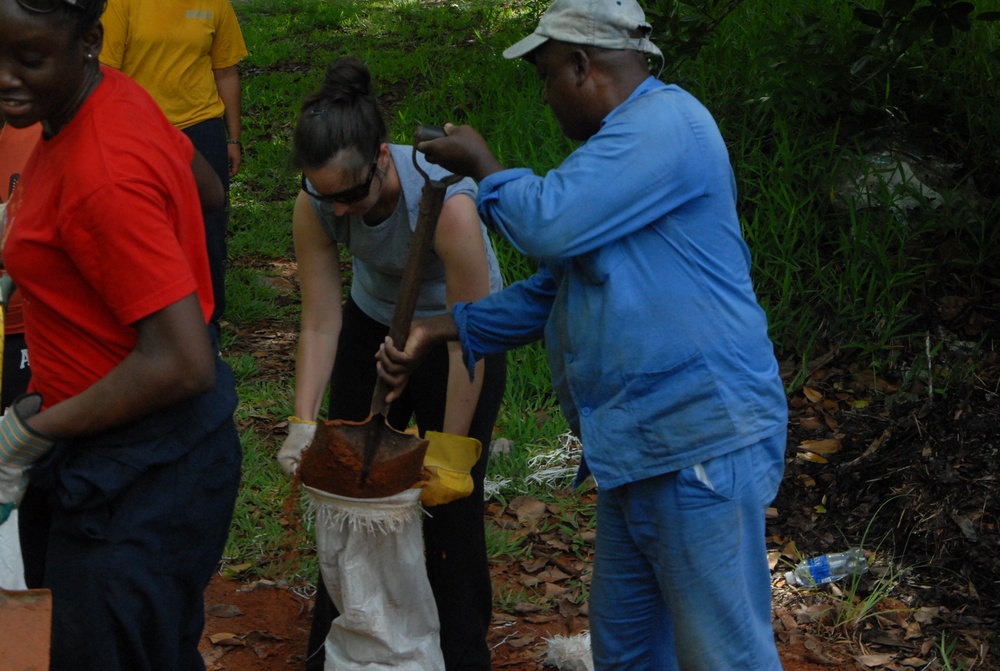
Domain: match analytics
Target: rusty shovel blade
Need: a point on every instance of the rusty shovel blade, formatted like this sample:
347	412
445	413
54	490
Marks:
26	623
334	459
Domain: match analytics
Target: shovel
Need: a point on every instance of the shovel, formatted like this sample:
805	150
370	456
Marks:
370	459
26	623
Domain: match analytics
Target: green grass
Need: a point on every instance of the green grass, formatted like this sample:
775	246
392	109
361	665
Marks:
796	119
506	544
251	298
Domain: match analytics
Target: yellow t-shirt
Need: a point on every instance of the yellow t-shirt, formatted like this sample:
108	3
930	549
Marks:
171	47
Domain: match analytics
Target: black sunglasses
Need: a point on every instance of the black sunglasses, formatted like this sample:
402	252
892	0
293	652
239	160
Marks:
347	196
47	6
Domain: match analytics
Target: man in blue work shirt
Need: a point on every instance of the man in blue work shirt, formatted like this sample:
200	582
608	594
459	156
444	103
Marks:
658	349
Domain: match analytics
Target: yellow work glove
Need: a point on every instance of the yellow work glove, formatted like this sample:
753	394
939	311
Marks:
448	463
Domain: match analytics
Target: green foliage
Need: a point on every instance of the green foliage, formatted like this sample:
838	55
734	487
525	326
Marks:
251	298
902	23
946	649
506	544
244	367
800	122
575	521
682	28
508	599
263	228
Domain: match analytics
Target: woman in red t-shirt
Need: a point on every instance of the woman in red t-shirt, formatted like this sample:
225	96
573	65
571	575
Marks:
128	429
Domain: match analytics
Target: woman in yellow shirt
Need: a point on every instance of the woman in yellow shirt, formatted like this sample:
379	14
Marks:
185	54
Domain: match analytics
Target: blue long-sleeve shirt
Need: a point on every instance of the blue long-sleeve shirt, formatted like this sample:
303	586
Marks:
657	346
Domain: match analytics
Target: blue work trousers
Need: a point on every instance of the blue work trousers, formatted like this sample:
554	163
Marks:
681	580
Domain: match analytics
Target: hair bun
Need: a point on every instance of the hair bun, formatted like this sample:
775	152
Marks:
342	114
347	78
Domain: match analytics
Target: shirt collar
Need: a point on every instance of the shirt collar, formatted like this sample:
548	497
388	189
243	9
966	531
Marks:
651	83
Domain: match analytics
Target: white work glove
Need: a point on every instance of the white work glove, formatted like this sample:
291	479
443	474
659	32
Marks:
13	482
300	434
20	446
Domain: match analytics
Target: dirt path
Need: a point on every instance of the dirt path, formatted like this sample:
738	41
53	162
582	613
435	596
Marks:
262	627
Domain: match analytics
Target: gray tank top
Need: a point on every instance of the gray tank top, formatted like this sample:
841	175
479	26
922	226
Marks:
379	252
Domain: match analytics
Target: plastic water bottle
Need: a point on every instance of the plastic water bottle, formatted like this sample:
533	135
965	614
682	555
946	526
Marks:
827	568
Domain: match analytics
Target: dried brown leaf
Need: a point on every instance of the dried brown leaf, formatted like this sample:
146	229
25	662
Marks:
553	591
223	610
812	394
875	660
226	639
528	510
552	575
535	564
825	446
811	422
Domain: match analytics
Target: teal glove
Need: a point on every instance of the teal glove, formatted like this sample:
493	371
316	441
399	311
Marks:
20	446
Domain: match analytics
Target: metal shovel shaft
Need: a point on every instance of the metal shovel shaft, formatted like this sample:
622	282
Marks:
431	204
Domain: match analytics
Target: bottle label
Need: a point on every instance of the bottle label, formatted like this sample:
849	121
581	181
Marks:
819	567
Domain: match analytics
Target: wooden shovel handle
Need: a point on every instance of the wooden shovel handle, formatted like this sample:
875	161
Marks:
431	203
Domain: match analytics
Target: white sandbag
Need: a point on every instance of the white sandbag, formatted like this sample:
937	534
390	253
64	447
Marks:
11	568
371	556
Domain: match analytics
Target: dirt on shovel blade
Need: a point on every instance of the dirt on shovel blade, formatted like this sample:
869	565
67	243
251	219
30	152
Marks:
333	461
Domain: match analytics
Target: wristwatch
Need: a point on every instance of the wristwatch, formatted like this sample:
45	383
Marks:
232	142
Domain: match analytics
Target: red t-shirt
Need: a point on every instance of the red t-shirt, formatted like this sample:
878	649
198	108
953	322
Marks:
105	228
16	145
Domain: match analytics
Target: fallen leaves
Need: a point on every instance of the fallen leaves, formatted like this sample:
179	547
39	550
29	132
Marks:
226	638
876	660
223	610
825	446
528	510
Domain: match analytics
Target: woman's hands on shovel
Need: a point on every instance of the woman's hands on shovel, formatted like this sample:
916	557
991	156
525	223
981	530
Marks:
395	366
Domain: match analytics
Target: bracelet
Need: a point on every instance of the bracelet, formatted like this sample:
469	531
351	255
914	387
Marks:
232	142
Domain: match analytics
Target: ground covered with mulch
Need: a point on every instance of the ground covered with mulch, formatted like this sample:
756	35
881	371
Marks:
911	477
900	462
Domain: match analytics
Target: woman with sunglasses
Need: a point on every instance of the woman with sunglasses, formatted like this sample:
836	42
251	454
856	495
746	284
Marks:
128	430
361	192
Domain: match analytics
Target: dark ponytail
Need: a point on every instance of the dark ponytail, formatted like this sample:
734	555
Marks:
343	114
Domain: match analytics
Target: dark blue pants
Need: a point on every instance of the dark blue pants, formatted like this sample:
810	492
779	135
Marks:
137	521
209	138
454	533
